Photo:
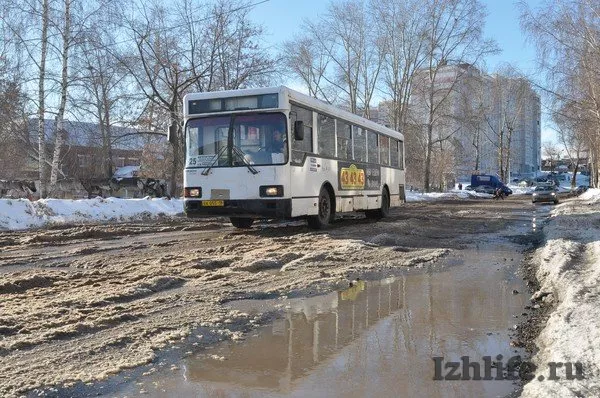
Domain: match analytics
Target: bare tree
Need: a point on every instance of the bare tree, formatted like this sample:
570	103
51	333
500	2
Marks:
41	98
340	56
552	152
221	53
572	128
453	37
567	36
303	58
400	28
59	130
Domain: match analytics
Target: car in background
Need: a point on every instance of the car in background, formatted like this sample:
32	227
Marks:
544	193
488	184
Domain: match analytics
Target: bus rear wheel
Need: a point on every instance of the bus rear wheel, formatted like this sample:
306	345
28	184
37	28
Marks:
325	215
382	212
243	223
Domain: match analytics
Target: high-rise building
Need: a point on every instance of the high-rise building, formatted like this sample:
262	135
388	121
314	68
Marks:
480	118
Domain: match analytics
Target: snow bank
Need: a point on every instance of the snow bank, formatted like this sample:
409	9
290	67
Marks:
454	194
519	190
591	195
16	214
569	274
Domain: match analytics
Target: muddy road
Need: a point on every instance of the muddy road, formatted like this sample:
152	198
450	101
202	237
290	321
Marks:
84	309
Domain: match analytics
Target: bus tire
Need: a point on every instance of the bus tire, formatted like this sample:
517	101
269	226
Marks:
243	223
384	211
324	217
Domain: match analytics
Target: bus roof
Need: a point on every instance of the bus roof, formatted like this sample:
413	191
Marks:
301	99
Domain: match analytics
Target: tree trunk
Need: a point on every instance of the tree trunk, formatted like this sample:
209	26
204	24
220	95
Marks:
41	106
428	153
176	154
575	170
59	126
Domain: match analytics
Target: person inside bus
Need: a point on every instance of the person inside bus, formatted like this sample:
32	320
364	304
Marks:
277	147
278	143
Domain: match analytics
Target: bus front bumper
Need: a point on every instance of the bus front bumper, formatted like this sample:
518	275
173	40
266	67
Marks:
252	208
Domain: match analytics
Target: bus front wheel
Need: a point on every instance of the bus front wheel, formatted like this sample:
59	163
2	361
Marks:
325	215
243	223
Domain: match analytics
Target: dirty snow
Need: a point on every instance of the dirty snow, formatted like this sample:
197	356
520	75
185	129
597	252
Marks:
82	303
569	274
19	214
453	194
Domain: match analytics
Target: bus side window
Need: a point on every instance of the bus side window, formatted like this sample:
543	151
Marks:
401	155
384	150
299	148
372	147
393	152
360	144
344	140
326	135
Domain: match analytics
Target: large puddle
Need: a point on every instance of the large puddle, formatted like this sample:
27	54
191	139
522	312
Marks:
376	339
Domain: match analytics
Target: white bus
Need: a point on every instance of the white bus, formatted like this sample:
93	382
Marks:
279	154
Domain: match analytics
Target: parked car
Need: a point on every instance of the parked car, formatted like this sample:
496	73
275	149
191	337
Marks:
544	193
488	181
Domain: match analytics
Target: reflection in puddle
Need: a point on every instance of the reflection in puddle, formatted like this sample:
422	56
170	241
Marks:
373	339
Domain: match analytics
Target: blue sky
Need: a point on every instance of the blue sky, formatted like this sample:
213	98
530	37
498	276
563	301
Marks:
283	18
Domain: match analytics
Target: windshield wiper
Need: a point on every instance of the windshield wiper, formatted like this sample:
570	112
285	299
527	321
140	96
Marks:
231	150
207	169
242	156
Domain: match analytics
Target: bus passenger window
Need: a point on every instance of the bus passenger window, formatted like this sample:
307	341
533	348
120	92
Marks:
299	148
372	147
384	150
326	135
393	153
360	144
344	140
401	155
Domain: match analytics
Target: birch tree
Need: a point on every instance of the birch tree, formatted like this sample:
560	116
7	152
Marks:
59	129
567	38
453	36
45	21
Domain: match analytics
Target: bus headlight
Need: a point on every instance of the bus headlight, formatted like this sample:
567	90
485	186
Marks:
271	190
193	192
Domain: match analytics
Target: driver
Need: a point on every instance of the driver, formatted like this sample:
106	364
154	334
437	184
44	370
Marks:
278	144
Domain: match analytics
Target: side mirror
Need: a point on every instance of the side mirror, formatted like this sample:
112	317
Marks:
172	133
299	130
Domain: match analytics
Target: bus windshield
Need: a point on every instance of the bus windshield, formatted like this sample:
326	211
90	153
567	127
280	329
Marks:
256	139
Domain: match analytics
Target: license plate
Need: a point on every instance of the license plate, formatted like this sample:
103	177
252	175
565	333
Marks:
213	203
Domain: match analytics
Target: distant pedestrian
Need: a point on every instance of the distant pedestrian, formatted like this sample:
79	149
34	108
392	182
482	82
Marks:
459	186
